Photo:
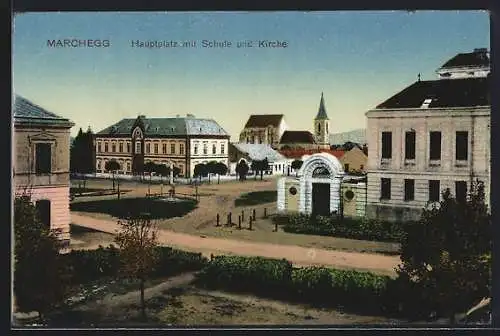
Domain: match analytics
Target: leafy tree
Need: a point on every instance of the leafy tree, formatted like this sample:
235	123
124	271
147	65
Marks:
137	240
220	169
211	168
163	170
112	166
40	274
82	154
446	255
150	167
296	165
242	169
177	171
263	167
200	170
255	168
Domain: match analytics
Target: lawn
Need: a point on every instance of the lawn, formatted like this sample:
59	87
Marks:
176	301
122	208
256	197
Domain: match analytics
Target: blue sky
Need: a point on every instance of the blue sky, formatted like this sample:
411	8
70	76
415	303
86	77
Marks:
358	59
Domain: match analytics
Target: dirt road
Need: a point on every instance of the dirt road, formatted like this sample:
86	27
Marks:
298	255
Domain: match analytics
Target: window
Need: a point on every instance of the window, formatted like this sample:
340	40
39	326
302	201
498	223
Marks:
319	128
120	147
214	149
43	211
172	148
385	188
181	149
43	158
138	147
99	147
155	148
164	148
410	145
128	147
435	146
196	149
113	148
386	145
460	191
205	149
462	145
128	165
222	148
409	190
106	147
434	192
346	167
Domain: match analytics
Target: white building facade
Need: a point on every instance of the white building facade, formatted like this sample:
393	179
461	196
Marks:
432	136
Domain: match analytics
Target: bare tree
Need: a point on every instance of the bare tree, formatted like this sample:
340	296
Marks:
137	240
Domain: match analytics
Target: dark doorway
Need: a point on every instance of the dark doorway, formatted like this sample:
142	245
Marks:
43	209
321	199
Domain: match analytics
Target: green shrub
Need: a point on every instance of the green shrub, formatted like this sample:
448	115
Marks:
353	228
172	261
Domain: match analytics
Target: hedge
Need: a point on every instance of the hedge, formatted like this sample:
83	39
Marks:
90	265
278	279
353	228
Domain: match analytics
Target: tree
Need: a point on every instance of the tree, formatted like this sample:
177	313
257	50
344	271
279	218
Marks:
150	167
40	274
112	166
163	170
255	168
263	167
137	240
82	154
447	253
220	169
242	169
211	168
200	170
177	171
296	165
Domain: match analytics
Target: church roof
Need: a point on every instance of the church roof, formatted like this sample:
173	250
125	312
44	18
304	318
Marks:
259	151
293	137
26	112
464	92
264	120
167	126
322	110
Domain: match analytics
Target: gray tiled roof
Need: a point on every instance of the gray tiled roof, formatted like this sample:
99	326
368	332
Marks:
259	151
322	110
168	126
26	112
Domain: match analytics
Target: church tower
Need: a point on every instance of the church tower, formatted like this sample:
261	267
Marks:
321	126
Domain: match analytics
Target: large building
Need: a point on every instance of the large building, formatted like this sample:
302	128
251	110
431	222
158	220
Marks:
263	129
431	136
41	162
182	142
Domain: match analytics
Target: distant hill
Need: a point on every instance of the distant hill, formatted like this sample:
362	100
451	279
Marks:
357	136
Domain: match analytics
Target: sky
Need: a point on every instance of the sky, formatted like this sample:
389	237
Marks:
356	58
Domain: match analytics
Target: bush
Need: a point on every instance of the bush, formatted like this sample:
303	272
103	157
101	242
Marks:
353	228
91	265
253	274
278	279
256	198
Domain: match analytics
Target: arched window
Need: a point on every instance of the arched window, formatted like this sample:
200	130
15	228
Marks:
321	172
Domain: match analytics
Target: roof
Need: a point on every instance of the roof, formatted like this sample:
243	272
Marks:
167	126
26	112
264	120
297	154
322	110
292	137
464	92
259	152
477	58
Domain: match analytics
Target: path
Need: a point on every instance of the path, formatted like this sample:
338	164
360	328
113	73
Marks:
297	255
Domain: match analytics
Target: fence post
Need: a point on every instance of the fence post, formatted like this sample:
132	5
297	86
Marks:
276	226
265	212
218	219
239	222
253	214
250	223
230	219
242	215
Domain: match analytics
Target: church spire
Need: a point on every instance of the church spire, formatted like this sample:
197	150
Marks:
322	110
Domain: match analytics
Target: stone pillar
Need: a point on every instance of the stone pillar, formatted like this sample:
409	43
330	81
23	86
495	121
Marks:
171	174
280	202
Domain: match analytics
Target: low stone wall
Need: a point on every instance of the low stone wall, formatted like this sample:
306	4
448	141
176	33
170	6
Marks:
392	213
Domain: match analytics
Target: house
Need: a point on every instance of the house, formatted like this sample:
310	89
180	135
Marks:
263	129
354	160
255	152
41	163
297	140
181	142
431	136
